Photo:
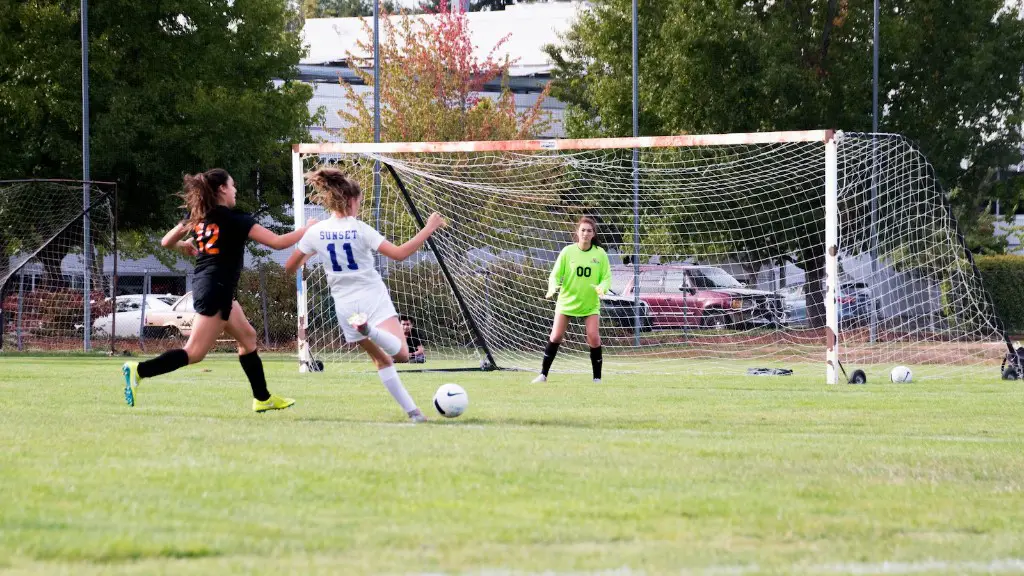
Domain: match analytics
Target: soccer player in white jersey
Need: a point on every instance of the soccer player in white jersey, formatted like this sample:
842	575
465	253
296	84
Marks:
361	300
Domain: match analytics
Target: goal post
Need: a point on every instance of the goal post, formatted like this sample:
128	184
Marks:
754	249
301	312
831	249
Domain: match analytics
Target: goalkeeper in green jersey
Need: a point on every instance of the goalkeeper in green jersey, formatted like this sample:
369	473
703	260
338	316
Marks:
580	277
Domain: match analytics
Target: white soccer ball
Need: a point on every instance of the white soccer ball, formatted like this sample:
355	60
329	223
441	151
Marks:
901	374
451	400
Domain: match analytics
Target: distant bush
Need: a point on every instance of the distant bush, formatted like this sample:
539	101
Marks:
1003	277
281	305
50	313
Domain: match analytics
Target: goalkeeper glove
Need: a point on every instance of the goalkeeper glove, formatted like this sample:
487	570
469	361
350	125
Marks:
551	294
599	290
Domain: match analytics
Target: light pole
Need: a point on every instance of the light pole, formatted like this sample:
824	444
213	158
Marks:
376	117
86	232
636	183
872	331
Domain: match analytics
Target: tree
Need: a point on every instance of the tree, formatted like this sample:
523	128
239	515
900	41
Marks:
432	90
175	88
950	80
431	85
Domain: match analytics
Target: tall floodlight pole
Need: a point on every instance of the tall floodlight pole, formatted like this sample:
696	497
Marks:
376	116
874	76
874	178
86	240
636	184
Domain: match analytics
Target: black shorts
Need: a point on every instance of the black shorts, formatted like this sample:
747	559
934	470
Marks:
211	297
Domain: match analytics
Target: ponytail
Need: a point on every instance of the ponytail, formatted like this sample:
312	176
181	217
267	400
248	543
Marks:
199	192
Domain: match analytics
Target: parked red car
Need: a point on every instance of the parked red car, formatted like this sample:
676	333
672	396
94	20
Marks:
702	296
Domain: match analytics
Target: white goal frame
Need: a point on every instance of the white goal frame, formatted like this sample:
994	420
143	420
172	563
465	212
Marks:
826	137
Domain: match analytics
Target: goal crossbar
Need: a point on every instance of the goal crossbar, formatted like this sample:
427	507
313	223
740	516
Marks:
566	144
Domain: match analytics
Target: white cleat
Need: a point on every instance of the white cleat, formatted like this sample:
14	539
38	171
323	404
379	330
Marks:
597	380
416	416
539	379
358	321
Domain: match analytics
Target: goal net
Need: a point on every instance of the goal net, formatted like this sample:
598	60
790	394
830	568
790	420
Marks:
728	252
46	264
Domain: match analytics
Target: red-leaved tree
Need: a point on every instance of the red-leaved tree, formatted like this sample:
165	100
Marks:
432	85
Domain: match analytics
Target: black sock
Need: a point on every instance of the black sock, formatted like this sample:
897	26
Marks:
253	367
595	361
549	357
167	362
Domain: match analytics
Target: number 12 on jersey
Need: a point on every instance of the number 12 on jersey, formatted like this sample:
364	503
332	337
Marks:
348	255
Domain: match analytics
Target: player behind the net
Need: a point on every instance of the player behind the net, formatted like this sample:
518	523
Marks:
220	233
362	302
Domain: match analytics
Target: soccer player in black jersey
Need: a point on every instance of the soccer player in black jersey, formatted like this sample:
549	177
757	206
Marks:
220	233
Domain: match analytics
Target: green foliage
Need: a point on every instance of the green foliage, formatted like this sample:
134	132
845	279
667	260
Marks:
53	232
51	314
950	81
430	83
1003	277
722	66
40	79
503	285
431	304
278	287
982	237
175	88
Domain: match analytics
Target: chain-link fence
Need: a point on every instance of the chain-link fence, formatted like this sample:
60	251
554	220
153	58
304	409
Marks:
154	308
135	303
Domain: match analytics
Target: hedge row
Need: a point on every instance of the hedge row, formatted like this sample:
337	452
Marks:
281	305
1003	277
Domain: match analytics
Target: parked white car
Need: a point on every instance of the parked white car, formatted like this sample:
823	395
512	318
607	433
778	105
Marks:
175	321
129	309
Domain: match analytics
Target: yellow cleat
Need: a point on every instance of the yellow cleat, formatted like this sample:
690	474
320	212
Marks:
275	402
131	381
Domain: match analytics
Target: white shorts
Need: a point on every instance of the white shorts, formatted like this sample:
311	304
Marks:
376	304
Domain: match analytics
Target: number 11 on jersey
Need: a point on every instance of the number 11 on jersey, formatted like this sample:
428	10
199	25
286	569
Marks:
348	255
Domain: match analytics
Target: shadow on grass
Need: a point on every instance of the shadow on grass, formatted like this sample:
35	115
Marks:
436	421
122	551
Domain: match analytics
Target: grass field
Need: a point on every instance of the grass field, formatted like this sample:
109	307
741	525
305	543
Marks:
641	474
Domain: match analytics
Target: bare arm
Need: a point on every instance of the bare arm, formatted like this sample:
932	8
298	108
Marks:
278	241
172	240
174	235
407	249
295	261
